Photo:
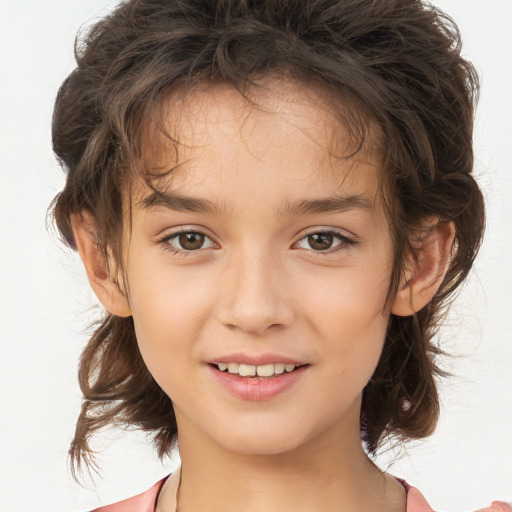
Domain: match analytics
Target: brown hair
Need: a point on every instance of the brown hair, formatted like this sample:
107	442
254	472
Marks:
397	62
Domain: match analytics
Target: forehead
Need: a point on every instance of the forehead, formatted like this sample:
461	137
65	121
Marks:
279	133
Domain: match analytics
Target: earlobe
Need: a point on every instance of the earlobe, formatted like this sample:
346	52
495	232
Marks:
421	283
103	283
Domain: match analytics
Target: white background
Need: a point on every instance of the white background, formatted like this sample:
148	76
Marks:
45	305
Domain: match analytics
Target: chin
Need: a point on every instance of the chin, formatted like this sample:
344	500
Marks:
261	446
270	438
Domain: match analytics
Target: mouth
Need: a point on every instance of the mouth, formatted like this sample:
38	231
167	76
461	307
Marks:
258	382
259	372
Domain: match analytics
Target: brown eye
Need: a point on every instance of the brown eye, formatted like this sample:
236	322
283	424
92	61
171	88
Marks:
187	241
324	241
320	241
191	241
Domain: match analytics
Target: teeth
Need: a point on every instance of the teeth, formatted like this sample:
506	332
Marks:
266	370
233	367
279	368
248	370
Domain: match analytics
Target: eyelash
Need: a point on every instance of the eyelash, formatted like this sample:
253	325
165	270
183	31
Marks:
344	242
164	241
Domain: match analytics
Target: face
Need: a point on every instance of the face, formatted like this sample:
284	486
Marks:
257	278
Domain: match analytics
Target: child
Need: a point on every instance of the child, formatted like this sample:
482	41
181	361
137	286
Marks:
273	200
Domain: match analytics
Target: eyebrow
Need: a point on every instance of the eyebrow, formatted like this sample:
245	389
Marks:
332	204
179	203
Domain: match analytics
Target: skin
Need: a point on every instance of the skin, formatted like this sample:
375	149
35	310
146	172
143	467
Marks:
255	281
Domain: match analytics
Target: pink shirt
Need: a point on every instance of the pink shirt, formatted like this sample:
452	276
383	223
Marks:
146	502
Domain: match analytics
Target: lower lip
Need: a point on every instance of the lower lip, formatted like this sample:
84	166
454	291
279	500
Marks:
255	389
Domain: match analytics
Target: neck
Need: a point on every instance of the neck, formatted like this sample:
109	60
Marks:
313	477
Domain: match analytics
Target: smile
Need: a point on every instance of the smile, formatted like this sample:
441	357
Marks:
248	370
257	382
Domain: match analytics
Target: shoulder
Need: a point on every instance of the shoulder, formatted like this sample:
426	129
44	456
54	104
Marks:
497	506
415	500
144	502
417	503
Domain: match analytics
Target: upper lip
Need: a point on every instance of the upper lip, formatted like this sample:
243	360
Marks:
256	359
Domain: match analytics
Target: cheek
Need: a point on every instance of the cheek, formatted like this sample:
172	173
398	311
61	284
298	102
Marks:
352	299
350	317
170	308
169	299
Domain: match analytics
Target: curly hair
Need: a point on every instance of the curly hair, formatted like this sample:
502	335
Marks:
395	62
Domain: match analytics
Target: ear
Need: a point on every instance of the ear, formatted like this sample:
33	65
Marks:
420	283
103	283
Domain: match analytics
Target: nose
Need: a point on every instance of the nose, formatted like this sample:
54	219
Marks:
254	296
